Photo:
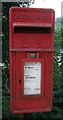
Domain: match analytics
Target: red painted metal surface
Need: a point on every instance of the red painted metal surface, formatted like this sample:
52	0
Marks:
31	31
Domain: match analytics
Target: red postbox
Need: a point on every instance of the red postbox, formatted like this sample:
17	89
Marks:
31	59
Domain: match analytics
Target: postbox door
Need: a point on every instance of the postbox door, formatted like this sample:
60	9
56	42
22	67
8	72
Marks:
24	99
